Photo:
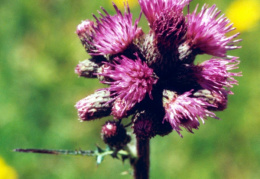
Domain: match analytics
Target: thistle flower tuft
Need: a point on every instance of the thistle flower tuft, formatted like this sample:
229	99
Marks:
113	34
153	8
207	32
184	111
214	74
131	80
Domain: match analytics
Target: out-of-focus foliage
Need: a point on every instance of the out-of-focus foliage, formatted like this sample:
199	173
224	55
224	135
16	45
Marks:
38	90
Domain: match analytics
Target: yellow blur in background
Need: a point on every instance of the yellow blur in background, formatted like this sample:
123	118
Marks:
120	3
6	172
244	14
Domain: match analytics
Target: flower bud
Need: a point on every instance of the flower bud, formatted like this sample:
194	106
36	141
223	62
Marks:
143	126
85	29
114	134
85	32
94	106
147	125
87	69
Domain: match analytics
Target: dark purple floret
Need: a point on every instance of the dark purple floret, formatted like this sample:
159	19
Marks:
153	8
169	28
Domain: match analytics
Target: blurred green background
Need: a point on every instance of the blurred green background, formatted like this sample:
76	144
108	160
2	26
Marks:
38	89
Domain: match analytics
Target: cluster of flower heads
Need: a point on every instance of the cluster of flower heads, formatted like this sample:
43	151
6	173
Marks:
153	77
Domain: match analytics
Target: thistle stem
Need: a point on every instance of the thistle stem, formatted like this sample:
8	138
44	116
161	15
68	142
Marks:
142	165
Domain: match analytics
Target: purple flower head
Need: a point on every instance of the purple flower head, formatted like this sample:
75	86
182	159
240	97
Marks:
153	8
153	76
184	111
130	81
207	32
214	74
113	34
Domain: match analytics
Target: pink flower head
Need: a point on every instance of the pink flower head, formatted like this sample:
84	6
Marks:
113	34
153	8
207	32
130	81
184	111
214	74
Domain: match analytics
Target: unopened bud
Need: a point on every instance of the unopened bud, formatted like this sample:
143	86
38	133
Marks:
147	125
114	134
87	69
94	106
85	31
143	126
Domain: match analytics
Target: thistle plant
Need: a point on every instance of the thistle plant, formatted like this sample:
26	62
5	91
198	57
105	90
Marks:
152	78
